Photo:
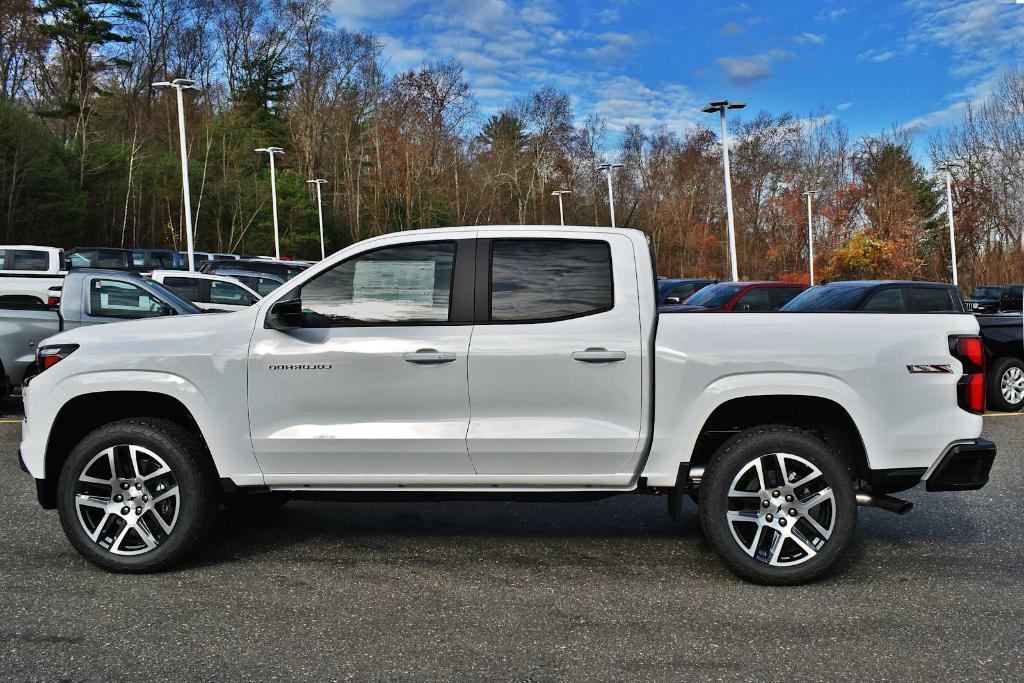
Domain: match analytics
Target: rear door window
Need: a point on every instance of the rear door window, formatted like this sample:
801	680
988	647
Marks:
780	296
229	294
540	280
889	300
930	300
28	259
188	287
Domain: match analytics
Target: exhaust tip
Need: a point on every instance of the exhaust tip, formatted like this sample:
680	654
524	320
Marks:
884	502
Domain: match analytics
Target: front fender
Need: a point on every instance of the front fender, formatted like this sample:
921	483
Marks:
224	425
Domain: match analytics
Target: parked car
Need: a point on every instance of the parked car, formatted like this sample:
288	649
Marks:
208	292
674	290
996	299
158	259
261	283
356	378
27	272
1003	335
739	297
104	258
87	297
878	296
284	269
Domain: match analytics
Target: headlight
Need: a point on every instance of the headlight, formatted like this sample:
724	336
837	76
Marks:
51	354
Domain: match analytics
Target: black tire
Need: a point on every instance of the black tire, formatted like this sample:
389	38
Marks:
255	503
735	458
194	508
1000	368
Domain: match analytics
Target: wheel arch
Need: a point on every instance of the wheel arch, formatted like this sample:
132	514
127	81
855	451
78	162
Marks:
86	412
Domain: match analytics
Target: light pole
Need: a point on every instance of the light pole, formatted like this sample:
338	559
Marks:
271	152
948	168
720	106
320	213
810	233
561	213
608	168
180	85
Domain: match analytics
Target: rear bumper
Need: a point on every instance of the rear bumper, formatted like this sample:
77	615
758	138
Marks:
964	467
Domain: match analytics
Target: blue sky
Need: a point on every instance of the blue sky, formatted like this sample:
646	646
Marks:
871	63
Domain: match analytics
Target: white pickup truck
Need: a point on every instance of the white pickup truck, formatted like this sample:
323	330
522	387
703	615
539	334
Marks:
503	361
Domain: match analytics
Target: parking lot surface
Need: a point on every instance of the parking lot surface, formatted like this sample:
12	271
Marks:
606	590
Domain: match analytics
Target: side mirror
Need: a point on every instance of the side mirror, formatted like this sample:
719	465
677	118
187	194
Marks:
164	309
285	315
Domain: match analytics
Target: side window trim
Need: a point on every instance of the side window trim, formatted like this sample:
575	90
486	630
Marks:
484	265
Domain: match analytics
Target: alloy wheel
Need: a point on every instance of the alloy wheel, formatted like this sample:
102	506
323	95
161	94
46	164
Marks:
127	500
1011	384
781	509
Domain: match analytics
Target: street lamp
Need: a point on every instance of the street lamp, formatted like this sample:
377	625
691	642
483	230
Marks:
608	168
320	213
720	106
948	168
810	233
271	152
180	85
561	213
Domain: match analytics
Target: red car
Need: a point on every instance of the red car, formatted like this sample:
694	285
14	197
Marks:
739	297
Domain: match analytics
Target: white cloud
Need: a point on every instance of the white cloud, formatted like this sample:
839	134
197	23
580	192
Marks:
361	14
831	15
876	55
843	106
608	16
745	70
808	37
613	45
535	14
399	54
625	100
732	29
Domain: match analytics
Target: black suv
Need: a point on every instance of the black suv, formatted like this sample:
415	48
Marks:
878	296
995	299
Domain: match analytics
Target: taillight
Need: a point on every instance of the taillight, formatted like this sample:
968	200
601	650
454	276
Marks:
53	296
970	390
48	356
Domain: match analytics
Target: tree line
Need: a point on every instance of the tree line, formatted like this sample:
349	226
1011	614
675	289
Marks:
88	153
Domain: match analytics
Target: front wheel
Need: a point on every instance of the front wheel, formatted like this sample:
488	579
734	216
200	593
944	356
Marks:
137	495
778	505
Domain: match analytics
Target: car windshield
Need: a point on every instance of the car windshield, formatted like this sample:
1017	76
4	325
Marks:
713	296
986	293
168	295
828	298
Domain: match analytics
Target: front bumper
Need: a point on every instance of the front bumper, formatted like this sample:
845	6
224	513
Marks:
964	467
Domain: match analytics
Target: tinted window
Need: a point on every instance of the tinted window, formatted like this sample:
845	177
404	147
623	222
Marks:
28	259
714	296
534	280
986	293
780	296
264	285
930	300
187	287
685	291
111	259
885	301
835	298
229	294
122	300
81	259
753	301
408	283
138	259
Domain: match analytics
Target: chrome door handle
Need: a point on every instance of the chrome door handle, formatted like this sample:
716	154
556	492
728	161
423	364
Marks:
428	357
598	355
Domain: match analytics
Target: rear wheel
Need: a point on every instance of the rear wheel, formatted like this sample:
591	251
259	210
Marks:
778	505
1006	385
137	495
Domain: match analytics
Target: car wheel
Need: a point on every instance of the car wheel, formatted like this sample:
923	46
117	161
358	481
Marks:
778	505
1006	385
137	495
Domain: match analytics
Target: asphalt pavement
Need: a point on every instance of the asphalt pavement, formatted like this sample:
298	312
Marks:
606	590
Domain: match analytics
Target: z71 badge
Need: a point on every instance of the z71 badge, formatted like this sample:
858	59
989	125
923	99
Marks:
935	368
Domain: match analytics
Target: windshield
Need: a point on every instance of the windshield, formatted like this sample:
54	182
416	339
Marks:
173	299
827	298
713	296
986	293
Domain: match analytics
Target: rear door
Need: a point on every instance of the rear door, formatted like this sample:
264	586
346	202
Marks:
555	363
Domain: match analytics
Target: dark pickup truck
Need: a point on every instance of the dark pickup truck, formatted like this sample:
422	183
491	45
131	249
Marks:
1003	335
995	299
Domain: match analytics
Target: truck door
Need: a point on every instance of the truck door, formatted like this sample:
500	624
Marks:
555	364
372	388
